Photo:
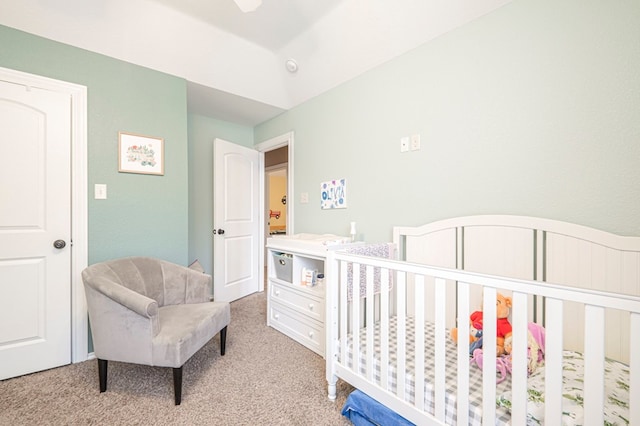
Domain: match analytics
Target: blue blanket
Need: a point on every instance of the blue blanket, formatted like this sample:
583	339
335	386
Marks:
362	410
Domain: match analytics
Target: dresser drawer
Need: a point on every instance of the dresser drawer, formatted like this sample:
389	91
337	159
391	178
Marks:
304	330
299	301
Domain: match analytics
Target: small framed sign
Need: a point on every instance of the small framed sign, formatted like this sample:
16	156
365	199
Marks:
333	194
140	154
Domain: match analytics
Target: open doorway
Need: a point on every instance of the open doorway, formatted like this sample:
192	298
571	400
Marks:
276	195
277	164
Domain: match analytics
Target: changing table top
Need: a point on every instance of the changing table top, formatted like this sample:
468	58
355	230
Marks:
310	243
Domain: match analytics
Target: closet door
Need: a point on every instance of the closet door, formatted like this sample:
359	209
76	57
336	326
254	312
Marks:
35	229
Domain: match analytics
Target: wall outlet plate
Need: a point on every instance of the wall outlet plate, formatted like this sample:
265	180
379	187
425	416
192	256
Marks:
415	142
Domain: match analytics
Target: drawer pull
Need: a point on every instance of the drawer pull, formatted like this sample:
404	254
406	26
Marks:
277	292
311	306
311	334
277	316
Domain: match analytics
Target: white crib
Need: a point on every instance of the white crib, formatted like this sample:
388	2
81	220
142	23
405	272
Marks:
581	284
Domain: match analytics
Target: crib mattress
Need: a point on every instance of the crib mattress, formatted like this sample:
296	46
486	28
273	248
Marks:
617	380
475	374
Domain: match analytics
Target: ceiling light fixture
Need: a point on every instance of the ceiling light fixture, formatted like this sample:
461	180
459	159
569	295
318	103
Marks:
292	65
248	5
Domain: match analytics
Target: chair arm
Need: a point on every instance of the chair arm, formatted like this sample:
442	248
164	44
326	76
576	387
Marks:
199	286
137	302
185	285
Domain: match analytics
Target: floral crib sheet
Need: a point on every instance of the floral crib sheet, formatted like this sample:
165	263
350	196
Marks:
616	411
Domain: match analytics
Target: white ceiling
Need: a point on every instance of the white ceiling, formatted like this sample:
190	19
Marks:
234	62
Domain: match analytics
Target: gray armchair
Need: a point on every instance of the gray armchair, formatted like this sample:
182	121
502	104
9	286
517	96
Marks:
152	312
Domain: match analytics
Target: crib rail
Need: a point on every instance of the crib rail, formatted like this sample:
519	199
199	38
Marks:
344	317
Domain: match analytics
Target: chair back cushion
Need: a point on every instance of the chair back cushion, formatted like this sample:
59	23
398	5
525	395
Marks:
162	281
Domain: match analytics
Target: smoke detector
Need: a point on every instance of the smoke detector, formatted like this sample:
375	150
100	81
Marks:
292	65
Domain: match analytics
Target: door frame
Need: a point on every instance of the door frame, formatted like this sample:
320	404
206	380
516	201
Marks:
79	199
269	145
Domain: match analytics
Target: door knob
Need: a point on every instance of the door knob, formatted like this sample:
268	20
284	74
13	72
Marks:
59	244
220	231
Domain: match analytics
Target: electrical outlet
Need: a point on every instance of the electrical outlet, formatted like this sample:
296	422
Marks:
404	144
304	198
415	142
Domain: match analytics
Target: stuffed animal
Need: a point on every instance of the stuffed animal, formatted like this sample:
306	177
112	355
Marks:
503	326
503	364
535	346
475	331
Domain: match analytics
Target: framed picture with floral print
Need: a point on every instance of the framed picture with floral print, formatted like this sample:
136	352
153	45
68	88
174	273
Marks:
140	154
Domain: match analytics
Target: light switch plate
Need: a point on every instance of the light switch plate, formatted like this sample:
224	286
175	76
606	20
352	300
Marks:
304	198
100	191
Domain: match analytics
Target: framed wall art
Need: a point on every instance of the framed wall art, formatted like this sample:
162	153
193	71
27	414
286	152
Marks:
333	194
140	154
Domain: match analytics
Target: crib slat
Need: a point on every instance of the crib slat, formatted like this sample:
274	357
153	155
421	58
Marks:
343	310
418	374
440	336
553	361
594	365
369	323
489	362
634	366
401	310
519	356
384	330
418	337
355	316
463	357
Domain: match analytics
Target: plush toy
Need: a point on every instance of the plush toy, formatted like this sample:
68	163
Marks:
475	332
503	326
503	364
535	346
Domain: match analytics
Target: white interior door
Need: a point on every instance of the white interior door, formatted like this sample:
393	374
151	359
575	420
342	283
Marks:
237	223
35	212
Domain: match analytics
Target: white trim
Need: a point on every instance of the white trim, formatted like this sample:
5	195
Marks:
79	211
261	218
79	224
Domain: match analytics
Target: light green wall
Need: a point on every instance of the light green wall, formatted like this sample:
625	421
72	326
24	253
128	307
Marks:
202	132
144	214
533	110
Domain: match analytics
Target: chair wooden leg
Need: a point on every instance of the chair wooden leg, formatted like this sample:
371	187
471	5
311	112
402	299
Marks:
102	374
177	385
223	340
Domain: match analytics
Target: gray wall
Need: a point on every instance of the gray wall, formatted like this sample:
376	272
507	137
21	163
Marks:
144	214
533	110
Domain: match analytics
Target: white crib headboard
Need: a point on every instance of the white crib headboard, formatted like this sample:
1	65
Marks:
534	249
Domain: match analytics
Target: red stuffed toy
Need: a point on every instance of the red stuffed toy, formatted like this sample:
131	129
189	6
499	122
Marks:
503	326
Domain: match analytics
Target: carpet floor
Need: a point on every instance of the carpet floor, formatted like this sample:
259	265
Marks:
265	378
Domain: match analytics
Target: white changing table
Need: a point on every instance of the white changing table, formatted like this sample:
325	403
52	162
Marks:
294	308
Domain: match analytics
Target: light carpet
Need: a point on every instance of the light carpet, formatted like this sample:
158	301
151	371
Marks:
265	378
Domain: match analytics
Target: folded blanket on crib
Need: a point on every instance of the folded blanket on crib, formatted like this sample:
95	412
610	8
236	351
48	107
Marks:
384	250
362	410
